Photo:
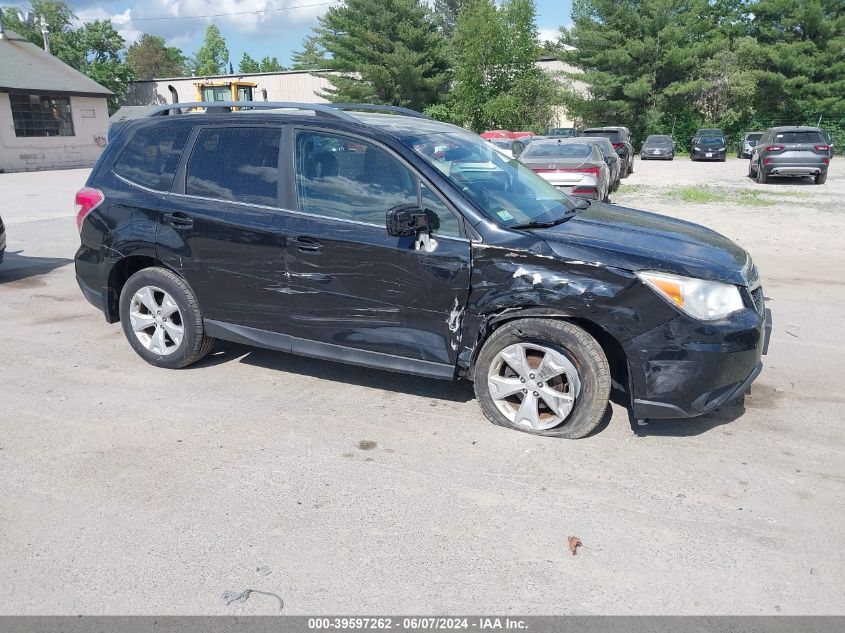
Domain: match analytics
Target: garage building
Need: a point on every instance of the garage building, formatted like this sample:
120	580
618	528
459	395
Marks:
51	116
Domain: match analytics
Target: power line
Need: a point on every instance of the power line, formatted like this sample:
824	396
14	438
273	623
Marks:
220	15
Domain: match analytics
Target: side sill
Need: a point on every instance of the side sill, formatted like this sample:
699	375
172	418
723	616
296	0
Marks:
327	351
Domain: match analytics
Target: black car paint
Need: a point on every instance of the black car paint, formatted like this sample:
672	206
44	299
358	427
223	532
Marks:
718	148
285	280
2	240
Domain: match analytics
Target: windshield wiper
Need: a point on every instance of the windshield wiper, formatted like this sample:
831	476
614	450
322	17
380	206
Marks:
536	224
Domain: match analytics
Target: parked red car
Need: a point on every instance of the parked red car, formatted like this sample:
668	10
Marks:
491	134
523	134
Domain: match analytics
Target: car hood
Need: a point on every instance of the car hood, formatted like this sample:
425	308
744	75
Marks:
630	239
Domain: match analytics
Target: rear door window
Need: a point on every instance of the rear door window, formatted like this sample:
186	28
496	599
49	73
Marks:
238	164
150	159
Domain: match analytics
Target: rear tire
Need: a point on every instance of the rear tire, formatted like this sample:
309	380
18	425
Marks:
161	319
821	178
565	365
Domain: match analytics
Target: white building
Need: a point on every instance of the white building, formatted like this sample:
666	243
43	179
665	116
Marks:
51	116
297	86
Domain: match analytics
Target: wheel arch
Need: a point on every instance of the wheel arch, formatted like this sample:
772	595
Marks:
120	272
617	359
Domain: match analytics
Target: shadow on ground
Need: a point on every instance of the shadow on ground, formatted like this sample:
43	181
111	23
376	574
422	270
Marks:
224	351
17	267
688	427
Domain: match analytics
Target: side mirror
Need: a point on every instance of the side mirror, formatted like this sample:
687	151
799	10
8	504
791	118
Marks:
406	221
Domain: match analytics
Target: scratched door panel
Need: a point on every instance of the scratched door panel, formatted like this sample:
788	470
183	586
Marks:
364	289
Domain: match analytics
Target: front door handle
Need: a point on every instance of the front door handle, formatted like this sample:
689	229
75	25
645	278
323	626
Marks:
179	220
307	244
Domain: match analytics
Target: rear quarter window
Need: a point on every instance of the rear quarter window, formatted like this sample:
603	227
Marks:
150	159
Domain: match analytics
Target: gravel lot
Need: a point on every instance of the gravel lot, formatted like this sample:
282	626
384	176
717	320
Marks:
135	490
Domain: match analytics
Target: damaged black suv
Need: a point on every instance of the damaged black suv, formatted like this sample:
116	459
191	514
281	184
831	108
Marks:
372	235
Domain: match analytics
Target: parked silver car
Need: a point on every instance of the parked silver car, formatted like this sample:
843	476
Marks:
746	145
575	166
790	151
614	163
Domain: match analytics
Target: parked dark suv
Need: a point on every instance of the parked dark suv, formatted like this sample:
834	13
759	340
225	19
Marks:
790	151
621	139
375	236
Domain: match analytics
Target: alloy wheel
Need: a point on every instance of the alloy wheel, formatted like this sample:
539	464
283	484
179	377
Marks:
156	320
533	386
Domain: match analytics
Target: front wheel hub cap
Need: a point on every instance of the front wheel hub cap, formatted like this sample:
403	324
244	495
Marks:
533	386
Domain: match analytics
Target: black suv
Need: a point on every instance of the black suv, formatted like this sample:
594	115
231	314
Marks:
621	139
375	236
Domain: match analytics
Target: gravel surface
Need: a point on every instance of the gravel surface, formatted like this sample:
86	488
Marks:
135	490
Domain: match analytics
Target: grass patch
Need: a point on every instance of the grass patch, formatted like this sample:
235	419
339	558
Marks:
755	199
697	195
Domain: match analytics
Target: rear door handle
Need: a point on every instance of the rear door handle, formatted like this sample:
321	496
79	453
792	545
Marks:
307	244
179	220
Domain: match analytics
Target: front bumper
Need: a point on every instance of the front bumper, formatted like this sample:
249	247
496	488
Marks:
686	367
661	156
702	155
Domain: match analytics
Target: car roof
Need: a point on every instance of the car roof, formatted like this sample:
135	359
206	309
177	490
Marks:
794	128
396	125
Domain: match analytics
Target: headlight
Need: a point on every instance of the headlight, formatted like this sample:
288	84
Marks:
705	300
722	149
696	148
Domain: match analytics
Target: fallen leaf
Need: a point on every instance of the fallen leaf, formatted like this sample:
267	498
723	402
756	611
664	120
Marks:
574	544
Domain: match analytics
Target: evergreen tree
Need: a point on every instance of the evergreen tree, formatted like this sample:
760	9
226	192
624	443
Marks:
311	57
248	65
386	51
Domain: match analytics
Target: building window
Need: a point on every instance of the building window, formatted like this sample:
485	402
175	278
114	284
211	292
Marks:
41	115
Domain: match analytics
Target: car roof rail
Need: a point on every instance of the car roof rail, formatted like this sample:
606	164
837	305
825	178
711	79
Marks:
217	107
376	107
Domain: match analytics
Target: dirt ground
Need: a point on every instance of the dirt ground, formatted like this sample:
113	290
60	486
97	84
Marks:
134	490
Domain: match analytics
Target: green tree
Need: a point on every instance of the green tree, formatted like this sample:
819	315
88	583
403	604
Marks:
96	49
496	80
271	65
213	56
385	51
446	14
248	65
799	57
56	13
311	57
151	58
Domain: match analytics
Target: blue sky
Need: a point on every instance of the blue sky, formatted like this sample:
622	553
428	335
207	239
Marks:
277	32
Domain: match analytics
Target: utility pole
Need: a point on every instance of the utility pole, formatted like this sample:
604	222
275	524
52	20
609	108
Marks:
46	34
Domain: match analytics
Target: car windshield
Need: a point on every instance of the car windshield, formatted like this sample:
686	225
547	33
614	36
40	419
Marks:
504	190
658	141
566	132
799	137
711	140
558	150
613	136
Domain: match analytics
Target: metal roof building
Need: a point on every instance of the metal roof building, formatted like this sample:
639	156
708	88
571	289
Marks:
51	116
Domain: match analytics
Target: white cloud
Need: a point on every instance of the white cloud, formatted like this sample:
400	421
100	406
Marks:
253	18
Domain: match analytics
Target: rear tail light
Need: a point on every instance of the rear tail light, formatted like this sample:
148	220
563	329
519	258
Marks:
823	148
618	145
87	199
583	191
596	171
826	160
766	161
774	148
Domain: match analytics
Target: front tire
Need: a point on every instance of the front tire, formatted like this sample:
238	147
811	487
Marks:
543	376
161	319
